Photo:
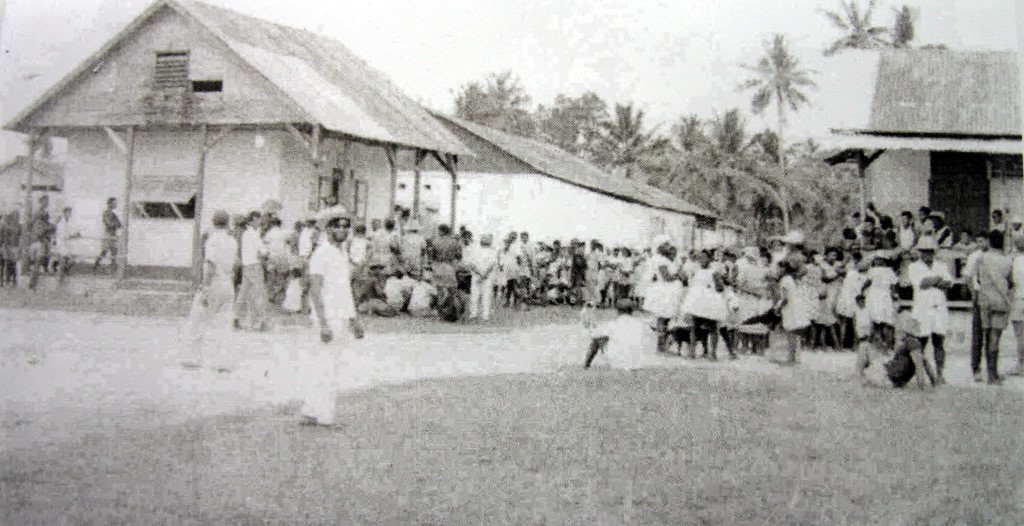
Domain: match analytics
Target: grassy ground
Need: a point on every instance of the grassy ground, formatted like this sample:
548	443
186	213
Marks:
685	446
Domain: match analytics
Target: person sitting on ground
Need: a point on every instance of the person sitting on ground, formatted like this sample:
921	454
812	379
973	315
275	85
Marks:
625	340
423	296
398	290
895	370
370	296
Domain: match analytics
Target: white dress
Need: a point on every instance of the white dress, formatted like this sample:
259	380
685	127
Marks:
853	283
630	342
663	297
929	308
796	314
879	295
702	300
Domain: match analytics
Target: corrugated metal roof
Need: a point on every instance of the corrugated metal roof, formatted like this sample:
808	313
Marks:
333	86
560	164
947	92
852	140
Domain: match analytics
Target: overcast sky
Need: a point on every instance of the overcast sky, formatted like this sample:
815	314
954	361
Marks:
669	57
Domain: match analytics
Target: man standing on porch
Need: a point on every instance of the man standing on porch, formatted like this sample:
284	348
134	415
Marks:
111	224
251	304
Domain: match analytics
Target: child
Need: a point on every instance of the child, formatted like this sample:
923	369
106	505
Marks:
422	297
825	320
794	305
852	285
881	301
624	339
705	303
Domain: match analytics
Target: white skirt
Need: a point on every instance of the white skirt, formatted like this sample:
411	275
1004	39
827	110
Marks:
705	302
663	298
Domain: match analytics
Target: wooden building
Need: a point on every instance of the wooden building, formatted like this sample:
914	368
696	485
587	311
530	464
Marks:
47	179
193	108
518	184
944	132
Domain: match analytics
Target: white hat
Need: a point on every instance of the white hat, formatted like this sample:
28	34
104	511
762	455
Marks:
412	226
1016	219
331	212
795	237
927	243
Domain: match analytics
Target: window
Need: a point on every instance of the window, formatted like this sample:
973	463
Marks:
1006	166
207	86
171	70
164	209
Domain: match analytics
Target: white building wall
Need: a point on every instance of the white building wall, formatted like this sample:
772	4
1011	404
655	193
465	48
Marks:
1007	193
547	208
898	180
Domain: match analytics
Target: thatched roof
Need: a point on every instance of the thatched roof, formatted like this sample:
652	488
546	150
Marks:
320	75
946	92
48	174
555	162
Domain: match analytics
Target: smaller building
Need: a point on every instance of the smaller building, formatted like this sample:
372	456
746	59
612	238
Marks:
944	132
519	184
47	179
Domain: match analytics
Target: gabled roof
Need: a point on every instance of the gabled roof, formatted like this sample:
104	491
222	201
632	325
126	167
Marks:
555	162
44	173
925	91
321	76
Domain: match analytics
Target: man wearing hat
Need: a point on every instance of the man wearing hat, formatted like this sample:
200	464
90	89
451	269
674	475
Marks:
330	280
931	279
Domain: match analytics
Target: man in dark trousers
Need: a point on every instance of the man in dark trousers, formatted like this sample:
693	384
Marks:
111	225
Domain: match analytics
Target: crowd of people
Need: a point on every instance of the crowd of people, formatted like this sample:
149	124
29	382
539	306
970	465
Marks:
45	245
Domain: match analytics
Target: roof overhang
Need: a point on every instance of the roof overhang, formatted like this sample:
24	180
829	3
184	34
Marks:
866	140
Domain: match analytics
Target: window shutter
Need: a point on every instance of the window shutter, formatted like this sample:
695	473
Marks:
171	70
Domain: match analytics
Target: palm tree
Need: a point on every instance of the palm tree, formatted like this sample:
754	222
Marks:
779	79
623	141
903	27
856	24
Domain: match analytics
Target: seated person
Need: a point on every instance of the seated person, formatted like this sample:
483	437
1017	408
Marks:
369	295
398	289
896	370
423	296
626	340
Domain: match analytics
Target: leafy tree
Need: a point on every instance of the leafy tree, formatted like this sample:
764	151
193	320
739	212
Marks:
500	101
624	143
857	28
573	123
778	78
689	133
903	27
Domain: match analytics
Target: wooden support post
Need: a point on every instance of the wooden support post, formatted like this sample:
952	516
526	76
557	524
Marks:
197	226
122	268
29	183
314	151
392	152
453	162
420	155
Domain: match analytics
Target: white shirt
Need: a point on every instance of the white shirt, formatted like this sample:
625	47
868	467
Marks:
907	238
222	251
628	341
358	249
306	242
66	232
332	263
276	241
395	287
972	261
252	246
929	307
483	259
423	294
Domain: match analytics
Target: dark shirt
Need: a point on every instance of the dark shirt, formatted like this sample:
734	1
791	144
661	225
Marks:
446	249
578	270
901	367
111	223
42	230
10	234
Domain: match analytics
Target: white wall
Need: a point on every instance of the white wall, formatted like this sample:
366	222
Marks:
1007	193
898	180
545	207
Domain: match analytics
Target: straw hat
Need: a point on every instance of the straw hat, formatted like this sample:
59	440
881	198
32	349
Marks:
332	212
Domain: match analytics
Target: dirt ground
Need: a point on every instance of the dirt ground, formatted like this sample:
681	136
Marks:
92	394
